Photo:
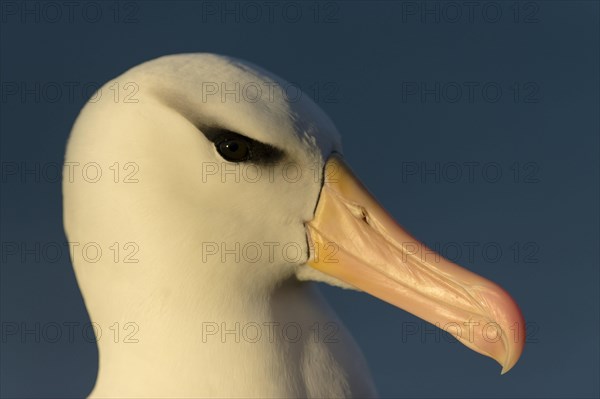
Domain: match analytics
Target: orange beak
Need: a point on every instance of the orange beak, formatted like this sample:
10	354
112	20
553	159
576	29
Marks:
376	255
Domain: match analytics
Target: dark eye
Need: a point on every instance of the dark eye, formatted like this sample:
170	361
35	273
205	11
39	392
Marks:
234	149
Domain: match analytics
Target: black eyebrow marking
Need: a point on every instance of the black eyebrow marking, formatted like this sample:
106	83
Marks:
260	153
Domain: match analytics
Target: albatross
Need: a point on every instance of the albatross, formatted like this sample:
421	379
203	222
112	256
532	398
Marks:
214	202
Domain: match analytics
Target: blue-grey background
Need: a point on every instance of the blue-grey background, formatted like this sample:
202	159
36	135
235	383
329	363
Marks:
360	61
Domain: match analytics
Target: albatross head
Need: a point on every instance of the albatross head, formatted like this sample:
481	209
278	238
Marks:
217	189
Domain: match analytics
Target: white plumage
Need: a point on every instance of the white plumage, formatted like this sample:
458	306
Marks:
171	294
